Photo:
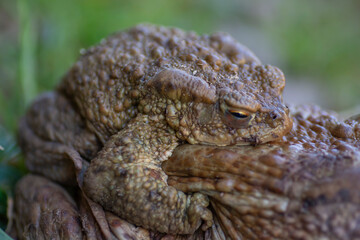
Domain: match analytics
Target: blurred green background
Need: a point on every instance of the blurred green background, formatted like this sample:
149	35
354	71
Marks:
315	43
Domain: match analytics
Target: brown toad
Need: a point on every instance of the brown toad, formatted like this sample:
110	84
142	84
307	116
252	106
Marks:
304	186
142	92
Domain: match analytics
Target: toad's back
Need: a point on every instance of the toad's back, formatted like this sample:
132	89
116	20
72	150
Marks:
107	83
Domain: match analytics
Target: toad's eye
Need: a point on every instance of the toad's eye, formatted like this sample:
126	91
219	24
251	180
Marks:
237	118
239	114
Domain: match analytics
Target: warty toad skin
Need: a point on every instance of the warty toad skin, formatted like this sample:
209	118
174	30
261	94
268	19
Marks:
144	91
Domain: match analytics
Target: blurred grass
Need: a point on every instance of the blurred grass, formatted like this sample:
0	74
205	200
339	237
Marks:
41	39
27	61
322	40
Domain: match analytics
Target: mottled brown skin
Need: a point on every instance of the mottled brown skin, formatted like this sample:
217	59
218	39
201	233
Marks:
44	210
305	186
145	91
49	134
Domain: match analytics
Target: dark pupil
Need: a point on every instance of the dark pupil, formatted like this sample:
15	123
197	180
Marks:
239	115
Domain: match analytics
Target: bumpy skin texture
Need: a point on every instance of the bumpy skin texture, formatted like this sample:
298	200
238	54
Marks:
302	187
185	80
147	90
48	135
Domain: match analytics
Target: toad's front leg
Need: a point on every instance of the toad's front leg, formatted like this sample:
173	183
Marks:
126	178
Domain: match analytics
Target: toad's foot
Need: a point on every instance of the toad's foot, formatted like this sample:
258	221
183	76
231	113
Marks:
126	178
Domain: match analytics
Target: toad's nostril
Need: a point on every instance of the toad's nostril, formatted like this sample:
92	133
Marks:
273	115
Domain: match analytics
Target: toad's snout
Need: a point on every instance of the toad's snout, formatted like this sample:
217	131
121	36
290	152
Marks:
279	119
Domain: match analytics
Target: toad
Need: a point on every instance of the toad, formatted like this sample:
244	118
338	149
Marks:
133	99
304	186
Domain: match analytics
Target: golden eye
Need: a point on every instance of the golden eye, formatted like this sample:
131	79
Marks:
239	114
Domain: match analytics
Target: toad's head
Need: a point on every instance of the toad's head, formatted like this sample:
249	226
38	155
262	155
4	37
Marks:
243	109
